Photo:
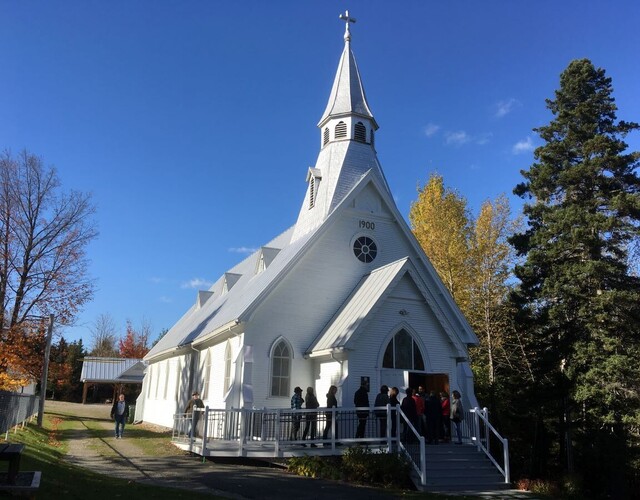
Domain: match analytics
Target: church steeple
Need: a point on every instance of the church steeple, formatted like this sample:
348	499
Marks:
347	101
347	150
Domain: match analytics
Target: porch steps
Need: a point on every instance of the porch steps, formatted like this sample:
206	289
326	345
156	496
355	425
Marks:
458	468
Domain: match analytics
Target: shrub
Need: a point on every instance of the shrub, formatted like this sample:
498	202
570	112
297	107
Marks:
357	465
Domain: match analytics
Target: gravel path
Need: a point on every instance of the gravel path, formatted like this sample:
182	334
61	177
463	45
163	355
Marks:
92	445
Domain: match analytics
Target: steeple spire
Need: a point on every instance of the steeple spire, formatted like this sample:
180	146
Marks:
347	151
347	95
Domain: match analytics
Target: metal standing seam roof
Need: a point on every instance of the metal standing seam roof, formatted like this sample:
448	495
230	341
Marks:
366	296
355	309
224	308
123	370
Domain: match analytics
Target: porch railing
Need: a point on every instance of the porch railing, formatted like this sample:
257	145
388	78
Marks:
483	434
281	430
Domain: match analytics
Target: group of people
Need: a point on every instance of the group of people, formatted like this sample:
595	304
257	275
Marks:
311	419
430	414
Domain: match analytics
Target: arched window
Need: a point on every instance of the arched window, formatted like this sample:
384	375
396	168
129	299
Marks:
178	379
341	130
150	381
403	353
206	382
227	368
166	379
360	132
325	138
280	368
157	371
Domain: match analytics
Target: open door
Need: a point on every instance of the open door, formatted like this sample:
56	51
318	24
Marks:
430	381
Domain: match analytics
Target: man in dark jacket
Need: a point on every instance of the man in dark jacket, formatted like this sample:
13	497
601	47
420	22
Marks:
120	413
408	407
193	416
433	412
361	400
382	399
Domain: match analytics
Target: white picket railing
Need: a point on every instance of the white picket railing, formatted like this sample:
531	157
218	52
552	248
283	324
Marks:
284	429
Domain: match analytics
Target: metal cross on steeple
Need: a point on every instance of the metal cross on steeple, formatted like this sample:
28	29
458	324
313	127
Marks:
345	17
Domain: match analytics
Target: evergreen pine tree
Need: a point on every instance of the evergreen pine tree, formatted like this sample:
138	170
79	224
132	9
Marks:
579	303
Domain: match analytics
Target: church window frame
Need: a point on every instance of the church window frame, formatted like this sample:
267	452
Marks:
226	385
372	138
365	249
340	130
360	133
178	379
399	354
325	136
166	380
281	355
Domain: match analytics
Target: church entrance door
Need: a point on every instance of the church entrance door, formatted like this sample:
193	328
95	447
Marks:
430	381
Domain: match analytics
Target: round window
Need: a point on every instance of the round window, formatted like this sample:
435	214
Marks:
365	249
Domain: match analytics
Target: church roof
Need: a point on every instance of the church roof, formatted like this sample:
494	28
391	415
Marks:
225	307
347	94
369	294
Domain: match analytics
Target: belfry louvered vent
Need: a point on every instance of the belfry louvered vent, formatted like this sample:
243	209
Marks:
341	130
325	139
360	132
312	192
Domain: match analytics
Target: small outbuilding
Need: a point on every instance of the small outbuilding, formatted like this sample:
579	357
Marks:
116	371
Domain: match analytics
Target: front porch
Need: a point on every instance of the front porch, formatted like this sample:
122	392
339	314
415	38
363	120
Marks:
270	433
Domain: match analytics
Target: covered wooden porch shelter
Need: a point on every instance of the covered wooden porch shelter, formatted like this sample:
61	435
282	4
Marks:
116	371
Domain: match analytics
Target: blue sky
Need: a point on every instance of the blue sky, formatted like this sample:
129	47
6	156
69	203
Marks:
193	123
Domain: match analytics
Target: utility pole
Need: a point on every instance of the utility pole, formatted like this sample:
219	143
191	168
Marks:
45	371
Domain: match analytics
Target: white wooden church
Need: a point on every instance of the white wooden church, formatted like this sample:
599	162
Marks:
345	296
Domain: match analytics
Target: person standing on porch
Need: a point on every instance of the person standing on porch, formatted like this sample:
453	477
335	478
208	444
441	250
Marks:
382	399
433	410
311	419
361	400
446	416
192	414
393	401
332	402
457	415
408	407
421	417
120	413
296	404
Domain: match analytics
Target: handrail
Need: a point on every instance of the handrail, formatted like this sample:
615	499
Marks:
481	416
420	468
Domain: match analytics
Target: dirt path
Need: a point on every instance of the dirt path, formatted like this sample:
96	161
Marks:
92	445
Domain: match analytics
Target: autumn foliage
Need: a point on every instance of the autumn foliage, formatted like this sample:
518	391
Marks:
135	343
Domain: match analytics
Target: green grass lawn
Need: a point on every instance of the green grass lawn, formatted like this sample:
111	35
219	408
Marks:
44	451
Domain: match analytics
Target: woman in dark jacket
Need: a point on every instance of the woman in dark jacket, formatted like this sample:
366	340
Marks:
311	402
332	402
408	407
393	401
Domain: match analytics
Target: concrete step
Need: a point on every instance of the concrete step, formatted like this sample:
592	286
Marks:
471	487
